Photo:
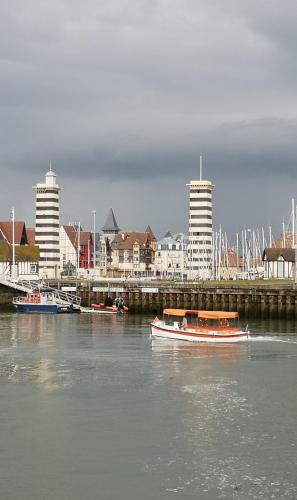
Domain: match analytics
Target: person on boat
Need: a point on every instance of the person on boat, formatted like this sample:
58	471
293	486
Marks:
184	324
108	301
121	304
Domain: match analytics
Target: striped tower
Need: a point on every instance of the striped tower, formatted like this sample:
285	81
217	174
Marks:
200	248
47	226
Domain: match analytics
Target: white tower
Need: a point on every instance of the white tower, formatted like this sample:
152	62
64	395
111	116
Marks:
200	246
47	225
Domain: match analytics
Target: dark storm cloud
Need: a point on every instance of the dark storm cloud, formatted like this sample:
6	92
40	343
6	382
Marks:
138	89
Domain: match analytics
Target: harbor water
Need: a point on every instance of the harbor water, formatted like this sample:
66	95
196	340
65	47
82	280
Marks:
91	408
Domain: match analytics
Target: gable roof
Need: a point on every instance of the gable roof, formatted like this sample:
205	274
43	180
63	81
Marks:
23	253
72	233
110	225
273	254
125	241
85	237
150	232
285	240
20	236
31	236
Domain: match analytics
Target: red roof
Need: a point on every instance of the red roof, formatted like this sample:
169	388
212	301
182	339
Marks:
72	233
85	237
31	236
125	241
20	235
285	241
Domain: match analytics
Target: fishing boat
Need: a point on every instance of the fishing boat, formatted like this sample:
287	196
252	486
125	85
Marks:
41	302
199	326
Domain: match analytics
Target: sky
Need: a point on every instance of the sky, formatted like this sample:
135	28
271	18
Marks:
123	96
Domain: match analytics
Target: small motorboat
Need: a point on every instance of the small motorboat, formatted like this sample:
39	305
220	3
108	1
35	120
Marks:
199	326
110	306
103	309
41	302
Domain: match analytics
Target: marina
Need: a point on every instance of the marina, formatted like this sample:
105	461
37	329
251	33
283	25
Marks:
87	398
257	298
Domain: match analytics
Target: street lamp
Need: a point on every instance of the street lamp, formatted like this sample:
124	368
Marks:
94	244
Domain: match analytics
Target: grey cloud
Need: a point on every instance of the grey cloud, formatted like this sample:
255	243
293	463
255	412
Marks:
135	90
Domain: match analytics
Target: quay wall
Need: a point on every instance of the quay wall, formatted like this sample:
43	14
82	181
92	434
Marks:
257	300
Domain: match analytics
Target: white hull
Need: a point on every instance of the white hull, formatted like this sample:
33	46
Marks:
161	330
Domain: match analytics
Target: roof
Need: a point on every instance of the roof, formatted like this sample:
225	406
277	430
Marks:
110	225
85	237
273	254
180	312
285	240
217	314
150	232
6	228
168	240
126	241
202	314
230	258
72	233
22	253
31	236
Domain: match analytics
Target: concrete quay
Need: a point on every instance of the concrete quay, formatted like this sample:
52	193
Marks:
259	299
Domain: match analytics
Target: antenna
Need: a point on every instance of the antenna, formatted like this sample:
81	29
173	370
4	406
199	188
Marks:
201	167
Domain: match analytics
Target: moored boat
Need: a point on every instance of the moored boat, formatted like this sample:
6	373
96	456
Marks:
199	326
41	302
103	309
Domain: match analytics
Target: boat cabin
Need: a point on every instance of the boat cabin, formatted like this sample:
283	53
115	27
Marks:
188	318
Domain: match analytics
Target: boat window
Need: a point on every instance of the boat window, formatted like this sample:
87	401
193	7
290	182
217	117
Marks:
170	320
191	319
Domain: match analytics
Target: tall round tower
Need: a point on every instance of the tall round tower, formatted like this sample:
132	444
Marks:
200	248
47	225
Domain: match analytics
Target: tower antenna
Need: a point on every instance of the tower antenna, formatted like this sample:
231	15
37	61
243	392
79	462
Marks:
201	167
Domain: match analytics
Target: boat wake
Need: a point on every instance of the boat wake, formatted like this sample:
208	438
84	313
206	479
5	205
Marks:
272	338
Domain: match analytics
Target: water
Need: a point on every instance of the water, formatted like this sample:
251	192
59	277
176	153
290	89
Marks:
91	409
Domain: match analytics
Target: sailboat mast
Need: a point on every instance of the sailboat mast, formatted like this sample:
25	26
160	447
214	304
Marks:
293	223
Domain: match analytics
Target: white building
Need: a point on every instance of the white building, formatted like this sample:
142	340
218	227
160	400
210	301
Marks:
47	226
200	248
279	263
171	256
68	246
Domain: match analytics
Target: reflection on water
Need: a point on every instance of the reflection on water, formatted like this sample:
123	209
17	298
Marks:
92	408
200	350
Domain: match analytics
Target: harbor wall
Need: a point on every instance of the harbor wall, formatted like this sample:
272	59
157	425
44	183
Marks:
255	300
247	301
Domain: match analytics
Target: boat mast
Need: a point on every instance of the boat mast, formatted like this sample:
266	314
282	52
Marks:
13	245
78	249
284	235
293	223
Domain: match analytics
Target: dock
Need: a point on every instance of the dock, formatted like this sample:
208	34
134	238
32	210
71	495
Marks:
259	299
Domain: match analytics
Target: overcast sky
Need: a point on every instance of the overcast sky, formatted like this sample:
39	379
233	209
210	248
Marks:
122	96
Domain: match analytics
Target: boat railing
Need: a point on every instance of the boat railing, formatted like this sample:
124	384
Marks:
60	295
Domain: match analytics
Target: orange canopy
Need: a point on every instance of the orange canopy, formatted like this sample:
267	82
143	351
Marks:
179	312
217	314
